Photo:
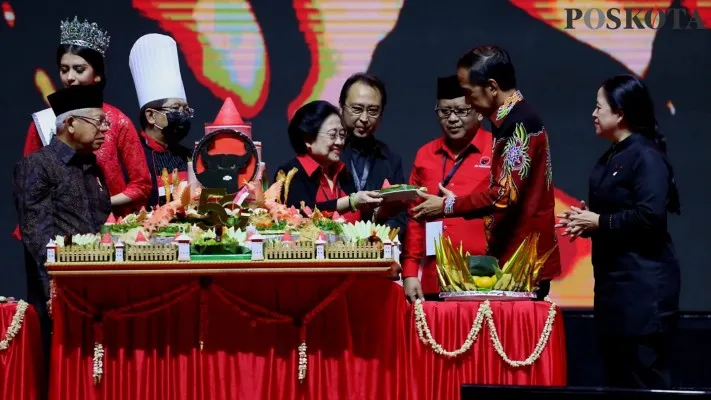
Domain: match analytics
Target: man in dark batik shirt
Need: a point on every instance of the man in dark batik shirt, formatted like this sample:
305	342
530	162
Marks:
59	190
520	200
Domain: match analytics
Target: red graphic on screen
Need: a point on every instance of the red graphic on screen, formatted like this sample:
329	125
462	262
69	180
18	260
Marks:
630	47
230	62
306	15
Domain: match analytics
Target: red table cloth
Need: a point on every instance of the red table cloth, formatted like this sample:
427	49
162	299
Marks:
519	325
22	375
358	335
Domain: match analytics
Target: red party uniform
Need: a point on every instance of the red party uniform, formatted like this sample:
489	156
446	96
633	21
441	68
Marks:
520	200
433	163
121	150
325	192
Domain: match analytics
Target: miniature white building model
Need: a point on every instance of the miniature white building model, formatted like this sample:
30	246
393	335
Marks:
248	240
119	251
387	248
320	244
397	249
257	247
51	251
183	242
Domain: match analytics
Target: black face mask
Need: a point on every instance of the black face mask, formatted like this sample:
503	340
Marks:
178	126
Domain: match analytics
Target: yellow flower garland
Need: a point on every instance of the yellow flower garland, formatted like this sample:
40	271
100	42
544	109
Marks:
484	313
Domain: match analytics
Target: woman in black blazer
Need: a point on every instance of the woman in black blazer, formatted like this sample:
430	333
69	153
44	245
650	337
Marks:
637	276
317	136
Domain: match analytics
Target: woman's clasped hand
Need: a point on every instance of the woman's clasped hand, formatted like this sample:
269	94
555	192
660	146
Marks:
578	221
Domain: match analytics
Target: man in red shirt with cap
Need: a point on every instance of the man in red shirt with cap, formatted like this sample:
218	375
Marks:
459	160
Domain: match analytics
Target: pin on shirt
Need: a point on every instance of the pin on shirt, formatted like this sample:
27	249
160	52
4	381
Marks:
617	168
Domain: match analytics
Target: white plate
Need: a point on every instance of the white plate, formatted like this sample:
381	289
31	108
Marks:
498	295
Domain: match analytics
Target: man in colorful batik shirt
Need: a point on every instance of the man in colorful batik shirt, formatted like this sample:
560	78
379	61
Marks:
460	161
520	200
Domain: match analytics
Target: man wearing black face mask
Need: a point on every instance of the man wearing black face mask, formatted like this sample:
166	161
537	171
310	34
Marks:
165	114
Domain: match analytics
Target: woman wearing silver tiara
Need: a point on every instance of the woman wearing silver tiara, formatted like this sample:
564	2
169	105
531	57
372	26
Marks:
80	59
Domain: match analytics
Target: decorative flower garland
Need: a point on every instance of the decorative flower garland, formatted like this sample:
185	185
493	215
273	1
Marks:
15	325
303	361
484	313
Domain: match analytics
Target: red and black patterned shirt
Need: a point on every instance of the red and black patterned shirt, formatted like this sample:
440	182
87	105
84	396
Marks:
520	199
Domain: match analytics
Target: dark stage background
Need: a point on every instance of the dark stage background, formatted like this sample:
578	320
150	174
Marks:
272	56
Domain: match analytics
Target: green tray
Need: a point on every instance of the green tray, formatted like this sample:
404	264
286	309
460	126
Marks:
220	257
398	188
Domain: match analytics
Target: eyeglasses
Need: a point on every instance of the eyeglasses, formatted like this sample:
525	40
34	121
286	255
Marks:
447	112
358	109
335	133
97	122
179	109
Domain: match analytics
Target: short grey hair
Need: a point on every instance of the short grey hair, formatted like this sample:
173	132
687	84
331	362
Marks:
59	122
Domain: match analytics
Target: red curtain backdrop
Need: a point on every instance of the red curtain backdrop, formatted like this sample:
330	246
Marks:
360	343
22	364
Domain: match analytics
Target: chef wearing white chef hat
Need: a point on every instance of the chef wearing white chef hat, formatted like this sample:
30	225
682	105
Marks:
165	114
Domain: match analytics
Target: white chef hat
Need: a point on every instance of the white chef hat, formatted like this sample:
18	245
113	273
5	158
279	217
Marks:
155	69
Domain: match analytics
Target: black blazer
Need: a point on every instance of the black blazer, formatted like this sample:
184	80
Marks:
304	187
637	275
386	165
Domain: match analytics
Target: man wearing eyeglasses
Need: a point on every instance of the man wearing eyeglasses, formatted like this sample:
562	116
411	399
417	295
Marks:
370	161
59	189
165	115
457	162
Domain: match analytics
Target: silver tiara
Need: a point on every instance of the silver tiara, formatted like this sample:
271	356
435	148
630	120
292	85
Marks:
84	34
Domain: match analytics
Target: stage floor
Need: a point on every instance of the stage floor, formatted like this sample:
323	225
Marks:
691	351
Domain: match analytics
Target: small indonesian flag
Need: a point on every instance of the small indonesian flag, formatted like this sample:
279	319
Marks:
260	171
241	196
